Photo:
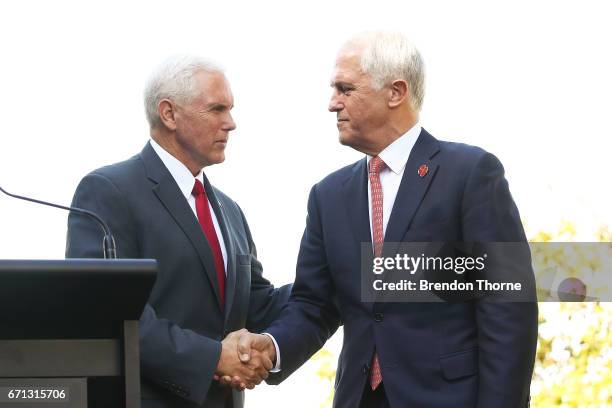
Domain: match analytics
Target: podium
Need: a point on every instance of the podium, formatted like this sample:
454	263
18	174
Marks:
69	332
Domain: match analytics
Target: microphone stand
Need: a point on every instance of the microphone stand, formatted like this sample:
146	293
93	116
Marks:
108	242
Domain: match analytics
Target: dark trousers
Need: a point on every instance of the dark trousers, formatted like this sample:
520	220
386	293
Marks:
374	399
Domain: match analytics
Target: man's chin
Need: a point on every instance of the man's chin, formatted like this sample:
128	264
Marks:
353	143
345	140
218	159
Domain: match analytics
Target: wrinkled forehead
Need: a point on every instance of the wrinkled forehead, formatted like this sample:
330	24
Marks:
347	67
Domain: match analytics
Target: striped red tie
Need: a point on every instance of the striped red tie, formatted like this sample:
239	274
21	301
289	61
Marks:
376	195
206	222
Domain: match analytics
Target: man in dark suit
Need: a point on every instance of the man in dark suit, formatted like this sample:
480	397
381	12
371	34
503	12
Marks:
411	187
159	204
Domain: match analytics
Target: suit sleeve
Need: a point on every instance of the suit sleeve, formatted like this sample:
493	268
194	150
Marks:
265	302
177	359
507	331
311	315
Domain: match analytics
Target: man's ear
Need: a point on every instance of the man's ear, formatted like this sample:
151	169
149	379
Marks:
166	112
399	93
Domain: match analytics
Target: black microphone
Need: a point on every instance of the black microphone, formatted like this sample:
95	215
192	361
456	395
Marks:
108	242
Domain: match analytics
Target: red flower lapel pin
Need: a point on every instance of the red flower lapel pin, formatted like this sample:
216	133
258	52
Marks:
423	170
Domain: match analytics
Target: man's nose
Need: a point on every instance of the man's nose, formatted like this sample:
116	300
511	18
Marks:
229	123
335	104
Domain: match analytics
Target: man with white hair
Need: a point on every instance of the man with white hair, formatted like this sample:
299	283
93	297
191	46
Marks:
160	204
409	187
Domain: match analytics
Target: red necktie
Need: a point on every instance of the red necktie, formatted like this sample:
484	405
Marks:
206	222
376	196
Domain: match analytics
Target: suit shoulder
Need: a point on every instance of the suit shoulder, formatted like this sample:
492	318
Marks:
465	156
461	150
336	178
121	172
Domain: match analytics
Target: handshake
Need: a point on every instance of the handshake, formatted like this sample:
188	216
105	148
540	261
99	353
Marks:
246	359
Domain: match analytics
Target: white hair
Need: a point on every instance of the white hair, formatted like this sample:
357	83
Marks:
387	56
174	79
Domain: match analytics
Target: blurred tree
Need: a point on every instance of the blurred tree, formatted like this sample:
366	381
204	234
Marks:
573	365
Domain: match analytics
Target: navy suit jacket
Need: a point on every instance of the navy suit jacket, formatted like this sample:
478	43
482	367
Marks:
183	323
478	353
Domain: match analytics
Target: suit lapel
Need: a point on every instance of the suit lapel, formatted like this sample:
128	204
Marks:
356	201
168	192
230	280
413	187
412	190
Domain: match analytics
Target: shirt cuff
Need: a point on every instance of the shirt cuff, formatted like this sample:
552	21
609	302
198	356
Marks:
276	367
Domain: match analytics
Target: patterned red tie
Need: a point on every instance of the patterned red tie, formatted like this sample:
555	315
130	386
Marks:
206	222
376	195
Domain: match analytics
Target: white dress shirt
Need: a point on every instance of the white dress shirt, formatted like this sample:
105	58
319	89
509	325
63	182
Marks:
185	181
395	157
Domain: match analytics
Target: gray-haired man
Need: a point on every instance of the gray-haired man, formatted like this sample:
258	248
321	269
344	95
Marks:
160	205
409	187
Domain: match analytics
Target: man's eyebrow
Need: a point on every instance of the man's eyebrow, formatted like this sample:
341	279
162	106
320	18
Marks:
341	85
213	106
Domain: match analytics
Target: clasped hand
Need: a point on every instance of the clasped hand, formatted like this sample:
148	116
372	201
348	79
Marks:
246	359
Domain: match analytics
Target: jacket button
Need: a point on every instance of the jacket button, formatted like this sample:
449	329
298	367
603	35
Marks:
365	369
378	317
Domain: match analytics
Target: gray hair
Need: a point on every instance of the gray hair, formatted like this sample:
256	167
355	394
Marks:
174	79
387	56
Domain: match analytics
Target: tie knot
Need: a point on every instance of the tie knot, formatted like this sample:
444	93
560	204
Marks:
198	188
376	165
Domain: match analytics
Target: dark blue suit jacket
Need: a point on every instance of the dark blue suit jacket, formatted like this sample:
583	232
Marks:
183	323
469	354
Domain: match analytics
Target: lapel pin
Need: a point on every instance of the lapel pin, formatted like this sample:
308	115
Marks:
423	170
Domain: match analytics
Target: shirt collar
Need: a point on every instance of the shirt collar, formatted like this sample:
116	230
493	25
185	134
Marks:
180	173
396	154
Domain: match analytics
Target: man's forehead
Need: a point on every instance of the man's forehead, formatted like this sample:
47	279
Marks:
224	97
214	83
211	79
207	79
347	68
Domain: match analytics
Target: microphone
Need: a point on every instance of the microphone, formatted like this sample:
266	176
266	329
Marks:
108	242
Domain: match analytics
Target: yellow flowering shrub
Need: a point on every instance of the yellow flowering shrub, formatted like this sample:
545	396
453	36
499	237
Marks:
573	366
